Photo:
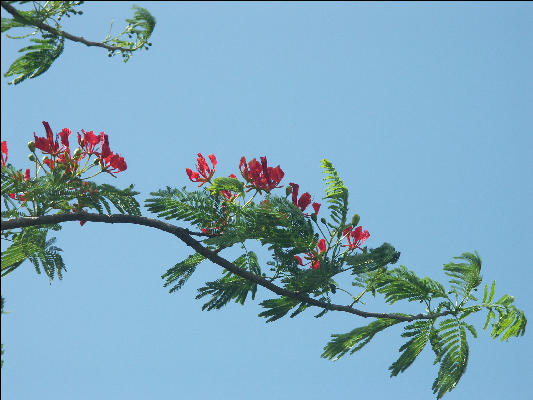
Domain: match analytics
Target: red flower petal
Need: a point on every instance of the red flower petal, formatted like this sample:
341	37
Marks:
316	207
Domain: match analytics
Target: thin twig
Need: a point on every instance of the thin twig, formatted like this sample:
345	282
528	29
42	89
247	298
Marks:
185	236
41	25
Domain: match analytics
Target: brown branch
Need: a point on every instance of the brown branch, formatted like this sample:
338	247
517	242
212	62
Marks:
41	25
185	236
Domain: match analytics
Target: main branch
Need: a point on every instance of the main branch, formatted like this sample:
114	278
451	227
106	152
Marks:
185	236
41	25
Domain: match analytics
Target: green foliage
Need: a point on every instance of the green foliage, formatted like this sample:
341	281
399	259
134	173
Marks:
419	332
196	207
510	320
32	244
373	259
37	58
336	196
278	308
44	50
451	350
141	26
182	271
223	183
465	277
355	339
230	286
402	284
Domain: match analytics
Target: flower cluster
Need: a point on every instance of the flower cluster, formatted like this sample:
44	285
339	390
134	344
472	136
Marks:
355	237
259	175
60	156
314	257
204	173
305	199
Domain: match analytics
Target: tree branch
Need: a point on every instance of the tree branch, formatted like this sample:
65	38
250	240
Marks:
185	236
41	25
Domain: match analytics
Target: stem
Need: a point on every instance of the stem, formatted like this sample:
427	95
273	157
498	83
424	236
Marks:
185	236
41	25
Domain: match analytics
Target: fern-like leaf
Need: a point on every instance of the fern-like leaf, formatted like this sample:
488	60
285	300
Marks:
336	195
420	332
464	276
356	339
181	272
38	58
230	286
451	347
402	284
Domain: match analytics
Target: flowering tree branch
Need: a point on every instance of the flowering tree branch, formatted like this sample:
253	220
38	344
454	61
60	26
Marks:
186	236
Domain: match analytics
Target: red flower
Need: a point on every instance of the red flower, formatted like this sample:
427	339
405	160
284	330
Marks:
113	164
4	153
314	256
110	162
204	173
259	175
48	144
89	141
27	175
355	237
305	199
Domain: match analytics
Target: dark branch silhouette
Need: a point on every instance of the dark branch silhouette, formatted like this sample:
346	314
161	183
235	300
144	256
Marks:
186	236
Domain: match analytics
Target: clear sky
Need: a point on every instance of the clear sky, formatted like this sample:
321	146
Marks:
425	110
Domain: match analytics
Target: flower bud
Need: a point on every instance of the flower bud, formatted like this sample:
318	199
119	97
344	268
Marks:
97	161
323	220
31	157
314	217
288	190
355	220
31	146
77	153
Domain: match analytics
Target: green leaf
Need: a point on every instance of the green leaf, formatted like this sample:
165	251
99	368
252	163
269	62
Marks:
372	259
197	207
402	284
356	339
32	244
465	276
277	308
451	347
37	59
420	332
181	272
223	183
510	321
336	195
231	287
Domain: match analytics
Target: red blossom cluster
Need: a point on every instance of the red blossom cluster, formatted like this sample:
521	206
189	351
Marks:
355	237
4	153
305	199
259	175
204	173
90	144
58	155
314	257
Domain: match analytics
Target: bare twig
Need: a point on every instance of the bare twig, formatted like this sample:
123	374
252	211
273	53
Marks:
185	236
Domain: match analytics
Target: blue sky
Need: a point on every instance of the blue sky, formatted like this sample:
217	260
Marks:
425	110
